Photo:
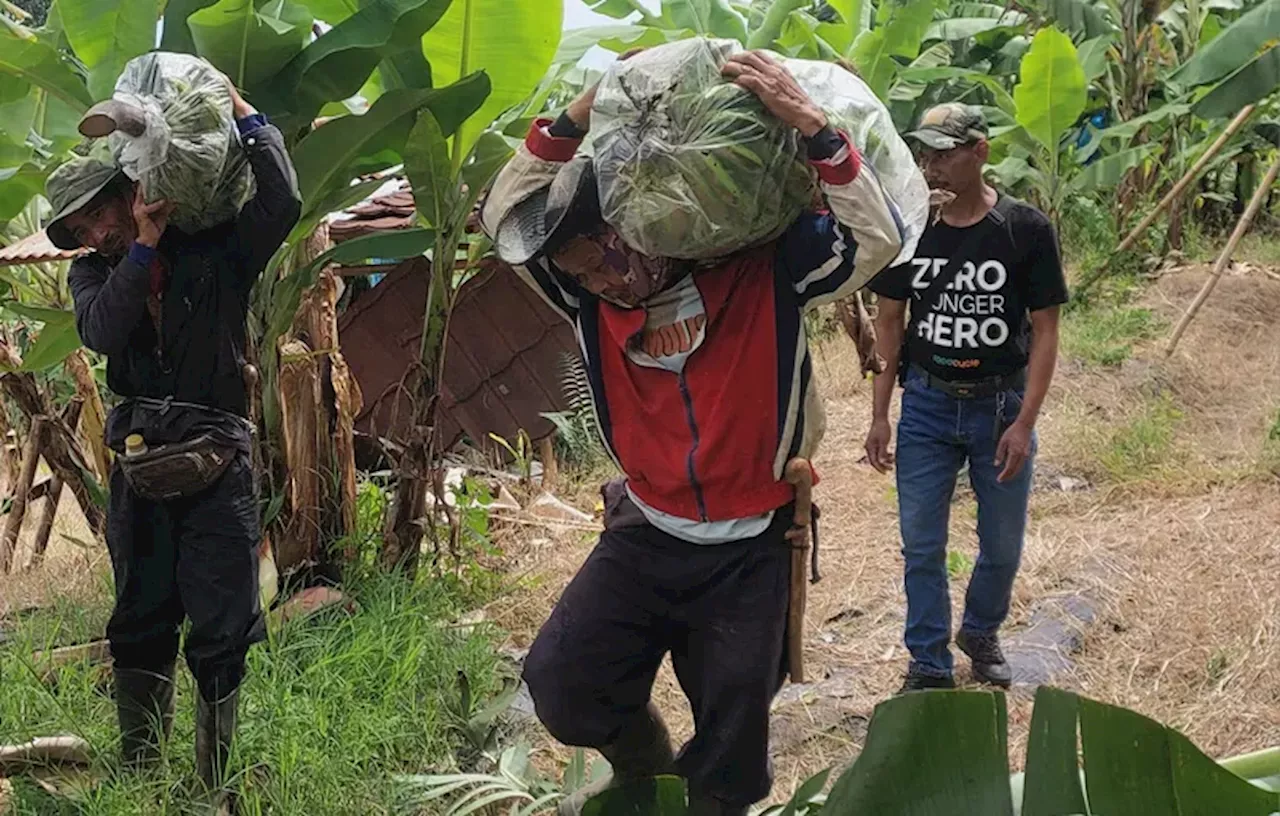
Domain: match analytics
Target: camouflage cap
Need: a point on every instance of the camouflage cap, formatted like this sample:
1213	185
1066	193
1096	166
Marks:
950	125
69	189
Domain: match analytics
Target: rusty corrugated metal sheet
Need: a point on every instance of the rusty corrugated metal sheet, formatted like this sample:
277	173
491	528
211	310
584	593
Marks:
502	369
35	248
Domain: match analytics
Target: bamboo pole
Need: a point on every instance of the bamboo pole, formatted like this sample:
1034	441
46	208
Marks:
18	510
48	515
1171	196
1255	204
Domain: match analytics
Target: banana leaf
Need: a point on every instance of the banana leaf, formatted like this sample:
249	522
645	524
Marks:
338	63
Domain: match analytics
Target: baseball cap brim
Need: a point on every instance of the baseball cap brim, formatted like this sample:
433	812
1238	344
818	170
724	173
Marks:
57	231
539	222
935	139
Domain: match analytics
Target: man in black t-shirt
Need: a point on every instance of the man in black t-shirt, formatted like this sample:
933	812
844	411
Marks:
980	345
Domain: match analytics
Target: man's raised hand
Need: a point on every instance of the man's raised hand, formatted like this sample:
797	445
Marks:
777	89
150	219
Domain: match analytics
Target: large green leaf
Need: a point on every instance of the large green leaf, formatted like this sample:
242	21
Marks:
56	340
900	36
931	753
963	28
907	88
1093	56
17	186
576	42
106	35
247	43
1053	768
1133	764
1236	46
325	159
1254	82
855	18
924	74
337	200
1083	18
663	797
426	163
42	66
1051	92
332	11
707	18
176	36
338	64
618	9
512	42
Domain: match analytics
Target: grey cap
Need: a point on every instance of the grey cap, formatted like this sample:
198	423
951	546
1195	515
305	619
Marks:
950	125
570	204
69	189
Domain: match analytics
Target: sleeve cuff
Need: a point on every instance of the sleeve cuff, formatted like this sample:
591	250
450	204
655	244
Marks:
251	123
547	147
142	255
843	166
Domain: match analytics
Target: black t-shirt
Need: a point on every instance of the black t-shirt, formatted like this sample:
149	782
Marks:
978	325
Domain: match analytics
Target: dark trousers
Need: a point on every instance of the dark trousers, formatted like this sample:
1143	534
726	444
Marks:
721	610
193	557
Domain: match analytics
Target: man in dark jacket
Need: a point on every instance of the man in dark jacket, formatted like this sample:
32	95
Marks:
704	389
169	311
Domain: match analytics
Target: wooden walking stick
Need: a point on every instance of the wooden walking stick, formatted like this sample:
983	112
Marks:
1224	259
800	474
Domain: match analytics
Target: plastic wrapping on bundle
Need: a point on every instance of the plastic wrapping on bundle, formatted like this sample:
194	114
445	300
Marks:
689	165
189	152
851	106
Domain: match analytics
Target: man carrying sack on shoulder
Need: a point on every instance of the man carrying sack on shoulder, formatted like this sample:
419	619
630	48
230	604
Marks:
704	388
981	343
169	310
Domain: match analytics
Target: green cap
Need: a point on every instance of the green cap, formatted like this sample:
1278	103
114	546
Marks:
950	125
69	189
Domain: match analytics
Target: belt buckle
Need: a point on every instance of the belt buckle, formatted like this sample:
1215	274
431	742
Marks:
963	390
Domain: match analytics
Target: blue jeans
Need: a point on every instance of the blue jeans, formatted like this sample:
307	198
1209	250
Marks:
936	434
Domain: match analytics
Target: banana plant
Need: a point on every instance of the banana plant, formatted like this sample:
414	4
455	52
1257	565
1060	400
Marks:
1083	757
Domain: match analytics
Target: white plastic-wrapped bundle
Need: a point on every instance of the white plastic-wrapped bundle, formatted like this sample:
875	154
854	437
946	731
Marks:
851	106
188	152
689	165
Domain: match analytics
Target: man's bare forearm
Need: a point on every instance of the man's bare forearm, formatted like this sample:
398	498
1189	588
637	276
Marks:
889	333
1040	365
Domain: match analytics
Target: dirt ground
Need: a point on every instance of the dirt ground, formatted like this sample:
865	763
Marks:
1180	551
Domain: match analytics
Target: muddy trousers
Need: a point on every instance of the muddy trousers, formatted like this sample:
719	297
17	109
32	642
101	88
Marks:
193	558
720	610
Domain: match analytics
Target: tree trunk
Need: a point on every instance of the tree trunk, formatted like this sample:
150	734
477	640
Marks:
18	510
10	457
61	448
47	517
301	423
93	416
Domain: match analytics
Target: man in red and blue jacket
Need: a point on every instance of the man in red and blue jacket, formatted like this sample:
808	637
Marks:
704	389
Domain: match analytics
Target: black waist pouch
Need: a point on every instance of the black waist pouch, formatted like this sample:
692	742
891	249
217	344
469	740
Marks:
168	472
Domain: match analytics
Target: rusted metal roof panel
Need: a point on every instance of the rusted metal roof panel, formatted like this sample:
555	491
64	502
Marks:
35	248
503	363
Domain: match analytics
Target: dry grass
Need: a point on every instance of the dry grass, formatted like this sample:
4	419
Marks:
1177	540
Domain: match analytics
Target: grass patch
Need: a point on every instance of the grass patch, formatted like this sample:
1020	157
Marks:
332	709
1105	335
1143	444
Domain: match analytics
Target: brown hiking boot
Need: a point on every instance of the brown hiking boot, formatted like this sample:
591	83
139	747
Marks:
641	752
